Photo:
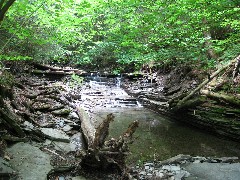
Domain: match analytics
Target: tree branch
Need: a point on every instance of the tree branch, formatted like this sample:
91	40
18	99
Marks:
5	8
207	81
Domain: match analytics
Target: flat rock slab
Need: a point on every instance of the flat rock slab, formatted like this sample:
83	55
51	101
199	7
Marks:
6	171
55	134
79	178
213	171
29	161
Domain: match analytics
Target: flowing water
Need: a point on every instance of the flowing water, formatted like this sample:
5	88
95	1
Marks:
157	137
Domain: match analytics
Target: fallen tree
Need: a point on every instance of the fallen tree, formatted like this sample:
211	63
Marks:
102	153
222	97
205	82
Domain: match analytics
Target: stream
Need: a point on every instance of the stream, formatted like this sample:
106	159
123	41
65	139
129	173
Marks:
157	137
55	121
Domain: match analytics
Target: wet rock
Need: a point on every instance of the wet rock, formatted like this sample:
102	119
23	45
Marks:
55	134
79	178
41	106
171	168
59	146
67	128
77	142
27	125
213	171
61	178
61	112
29	161
5	170
31	96
228	159
176	159
182	175
198	159
56	107
73	115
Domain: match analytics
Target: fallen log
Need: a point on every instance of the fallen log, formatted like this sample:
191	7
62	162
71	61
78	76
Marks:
190	95
222	97
102	154
189	104
87	126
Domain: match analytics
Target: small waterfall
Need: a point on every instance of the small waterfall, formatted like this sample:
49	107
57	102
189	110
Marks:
118	82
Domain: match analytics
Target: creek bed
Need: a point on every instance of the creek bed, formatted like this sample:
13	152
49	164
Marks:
158	137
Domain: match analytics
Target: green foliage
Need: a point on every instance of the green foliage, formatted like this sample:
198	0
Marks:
14	58
122	35
100	54
76	80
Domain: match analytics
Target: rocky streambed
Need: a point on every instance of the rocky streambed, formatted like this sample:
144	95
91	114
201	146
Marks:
46	141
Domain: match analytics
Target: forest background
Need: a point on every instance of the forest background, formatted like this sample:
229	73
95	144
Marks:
121	35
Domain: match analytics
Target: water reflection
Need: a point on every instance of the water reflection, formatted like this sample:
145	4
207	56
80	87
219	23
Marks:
158	138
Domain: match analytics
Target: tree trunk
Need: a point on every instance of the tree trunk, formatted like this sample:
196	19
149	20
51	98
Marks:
207	81
4	8
224	97
208	44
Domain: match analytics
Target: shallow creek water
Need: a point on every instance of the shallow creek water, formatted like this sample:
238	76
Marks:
157	137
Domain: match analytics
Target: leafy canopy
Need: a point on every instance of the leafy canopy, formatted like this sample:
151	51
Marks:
121	34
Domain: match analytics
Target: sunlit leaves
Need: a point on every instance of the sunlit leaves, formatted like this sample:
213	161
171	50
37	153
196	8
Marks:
140	30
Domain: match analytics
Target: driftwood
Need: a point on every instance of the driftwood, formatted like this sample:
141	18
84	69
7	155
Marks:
223	97
190	95
86	126
102	153
102	132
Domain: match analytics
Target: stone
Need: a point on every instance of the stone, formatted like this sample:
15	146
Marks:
176	159
73	115
142	173
66	128
27	125
149	174
40	106
79	178
180	175
30	162
146	167
213	171
55	134
62	146
228	159
61	112
149	164
197	161
160	174
166	167
171	168
77	142
5	170
56	107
